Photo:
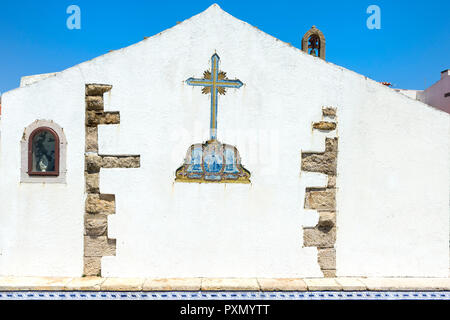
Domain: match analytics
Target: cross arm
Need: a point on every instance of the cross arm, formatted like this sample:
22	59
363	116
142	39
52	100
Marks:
199	82
229	83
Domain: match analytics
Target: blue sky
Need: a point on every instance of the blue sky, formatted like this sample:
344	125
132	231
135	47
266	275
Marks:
410	50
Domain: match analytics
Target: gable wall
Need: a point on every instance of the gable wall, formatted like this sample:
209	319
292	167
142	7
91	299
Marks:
393	164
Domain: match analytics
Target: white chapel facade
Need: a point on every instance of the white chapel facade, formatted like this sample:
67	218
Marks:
197	154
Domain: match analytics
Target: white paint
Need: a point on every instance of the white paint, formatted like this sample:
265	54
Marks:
393	166
409	93
393	196
27	80
41	225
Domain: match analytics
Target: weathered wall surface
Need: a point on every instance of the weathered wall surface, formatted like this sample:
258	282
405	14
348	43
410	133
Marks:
393	176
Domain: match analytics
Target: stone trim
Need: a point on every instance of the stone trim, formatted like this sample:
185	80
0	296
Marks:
178	284
24	177
324	125
323	235
98	205
94	118
329	112
323	162
219	284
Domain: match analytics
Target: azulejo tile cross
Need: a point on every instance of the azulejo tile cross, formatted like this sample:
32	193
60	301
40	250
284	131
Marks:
213	161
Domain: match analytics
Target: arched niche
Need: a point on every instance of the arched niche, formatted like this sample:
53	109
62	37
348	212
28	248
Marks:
43	153
313	43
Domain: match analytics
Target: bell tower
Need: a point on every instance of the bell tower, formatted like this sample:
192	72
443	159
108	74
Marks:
313	43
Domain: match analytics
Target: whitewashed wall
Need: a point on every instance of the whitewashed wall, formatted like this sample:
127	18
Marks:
393	164
393	185
41	225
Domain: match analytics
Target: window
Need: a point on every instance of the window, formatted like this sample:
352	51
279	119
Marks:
43	150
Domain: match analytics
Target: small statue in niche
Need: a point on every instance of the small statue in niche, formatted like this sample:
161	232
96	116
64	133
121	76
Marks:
43	163
44	152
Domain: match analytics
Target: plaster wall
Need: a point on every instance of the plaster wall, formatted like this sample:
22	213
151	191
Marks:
41	224
393	164
27	80
409	93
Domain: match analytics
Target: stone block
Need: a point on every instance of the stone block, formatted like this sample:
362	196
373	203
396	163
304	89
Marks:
108	118
327	258
93	163
331	181
121	161
407	284
319	162
331	145
320	199
95	224
287	284
318	237
322	284
225	284
327	219
351	284
324	125
123	284
92	139
181	284
110	162
97	89
329	273
85	284
92	183
324	162
100	203
329	112
99	246
92	266
94	103
130	162
33	283
92	118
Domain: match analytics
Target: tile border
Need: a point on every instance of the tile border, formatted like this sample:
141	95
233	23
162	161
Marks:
225	295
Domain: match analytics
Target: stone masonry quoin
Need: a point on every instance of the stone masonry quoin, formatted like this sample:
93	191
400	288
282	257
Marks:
323	235
98	206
